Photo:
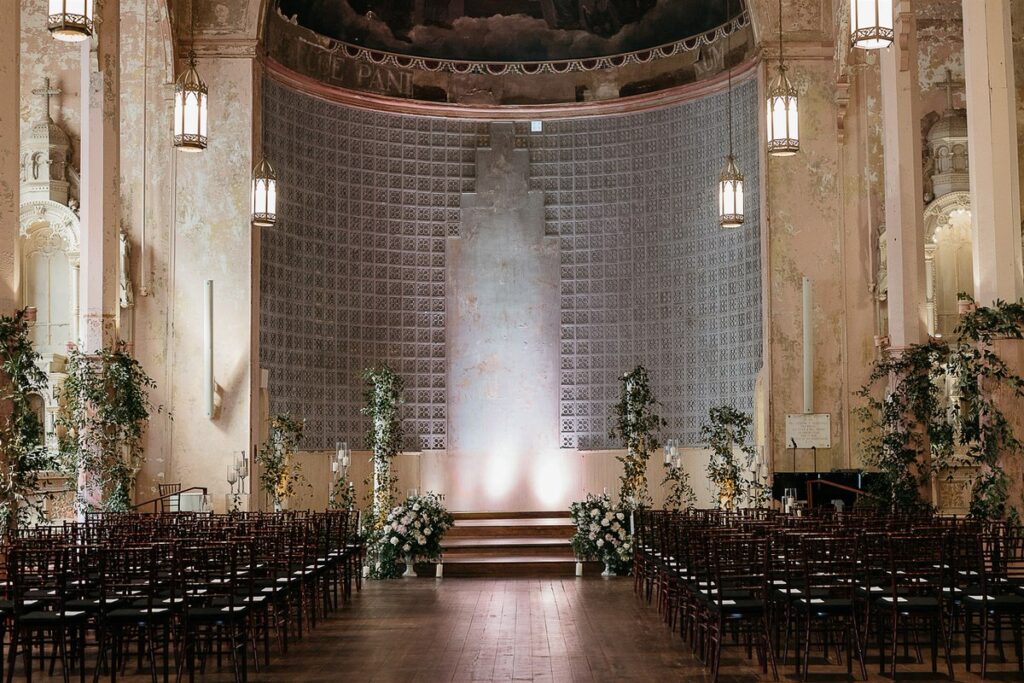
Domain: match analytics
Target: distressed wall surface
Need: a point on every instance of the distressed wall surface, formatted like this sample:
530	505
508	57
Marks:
502	338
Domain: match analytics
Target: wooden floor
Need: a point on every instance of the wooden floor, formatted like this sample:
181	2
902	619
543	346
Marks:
567	630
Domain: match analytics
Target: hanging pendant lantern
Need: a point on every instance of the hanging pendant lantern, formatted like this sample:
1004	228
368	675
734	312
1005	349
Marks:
730	195
190	109
871	24
730	182
783	119
70	21
264	195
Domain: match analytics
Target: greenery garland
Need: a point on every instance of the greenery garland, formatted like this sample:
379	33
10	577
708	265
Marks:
680	491
22	444
912	434
384	438
105	409
279	475
637	425
735	477
343	494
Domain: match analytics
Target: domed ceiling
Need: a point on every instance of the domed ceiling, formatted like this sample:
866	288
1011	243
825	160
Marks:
508	30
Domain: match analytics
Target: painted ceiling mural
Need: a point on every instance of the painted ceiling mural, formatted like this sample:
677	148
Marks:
507	30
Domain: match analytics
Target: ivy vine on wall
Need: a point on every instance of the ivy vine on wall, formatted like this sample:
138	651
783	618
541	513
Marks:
23	451
637	425
933	407
105	408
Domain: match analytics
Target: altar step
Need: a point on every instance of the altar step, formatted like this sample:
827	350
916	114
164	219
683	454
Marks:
510	544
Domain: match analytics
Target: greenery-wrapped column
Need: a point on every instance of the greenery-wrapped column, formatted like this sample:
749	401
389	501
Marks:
383	397
727	431
637	425
104	414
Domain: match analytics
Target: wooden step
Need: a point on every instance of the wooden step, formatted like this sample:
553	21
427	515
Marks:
504	546
541	527
535	514
511	566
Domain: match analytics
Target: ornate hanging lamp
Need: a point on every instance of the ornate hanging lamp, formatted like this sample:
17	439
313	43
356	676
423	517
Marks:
730	182
190	105
70	21
190	109
264	195
783	119
871	24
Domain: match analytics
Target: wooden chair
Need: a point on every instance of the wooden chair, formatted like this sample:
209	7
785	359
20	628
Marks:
171	503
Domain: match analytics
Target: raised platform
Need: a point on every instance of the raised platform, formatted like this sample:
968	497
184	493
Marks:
510	544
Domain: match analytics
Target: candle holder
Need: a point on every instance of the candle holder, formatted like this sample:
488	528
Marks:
238	478
342	494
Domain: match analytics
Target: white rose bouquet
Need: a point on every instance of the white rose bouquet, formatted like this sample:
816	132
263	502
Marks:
602	533
413	529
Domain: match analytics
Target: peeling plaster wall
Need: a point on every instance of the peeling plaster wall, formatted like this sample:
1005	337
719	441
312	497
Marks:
41	57
806	240
147	159
940	45
211	241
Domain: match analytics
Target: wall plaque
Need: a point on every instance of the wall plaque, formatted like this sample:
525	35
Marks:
809	430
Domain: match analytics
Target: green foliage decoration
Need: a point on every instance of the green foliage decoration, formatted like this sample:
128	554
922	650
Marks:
913	433
23	451
105	409
637	425
733	474
680	491
385	437
279	473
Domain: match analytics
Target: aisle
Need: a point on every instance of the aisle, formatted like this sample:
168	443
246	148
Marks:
488	630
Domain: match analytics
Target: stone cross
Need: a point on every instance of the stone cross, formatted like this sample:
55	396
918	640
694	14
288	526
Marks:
949	84
47	92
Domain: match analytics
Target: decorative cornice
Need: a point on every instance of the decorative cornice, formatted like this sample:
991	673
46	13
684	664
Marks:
396	60
624	105
224	47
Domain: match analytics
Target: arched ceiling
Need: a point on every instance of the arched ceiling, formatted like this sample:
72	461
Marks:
241	21
508	30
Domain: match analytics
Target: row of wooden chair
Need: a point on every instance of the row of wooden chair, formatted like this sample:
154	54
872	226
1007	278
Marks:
858	584
181	588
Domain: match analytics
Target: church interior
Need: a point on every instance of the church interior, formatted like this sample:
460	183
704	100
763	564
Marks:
554	340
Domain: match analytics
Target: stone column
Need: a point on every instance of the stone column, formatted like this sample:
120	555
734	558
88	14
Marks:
100	194
10	134
100	155
904	216
992	130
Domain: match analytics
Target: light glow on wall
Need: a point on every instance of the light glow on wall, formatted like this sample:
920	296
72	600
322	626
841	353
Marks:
551	479
500	472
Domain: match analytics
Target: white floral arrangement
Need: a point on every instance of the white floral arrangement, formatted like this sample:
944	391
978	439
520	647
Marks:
602	533
413	529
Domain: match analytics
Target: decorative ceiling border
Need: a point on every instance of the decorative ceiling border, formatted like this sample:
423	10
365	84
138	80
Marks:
742	72
496	68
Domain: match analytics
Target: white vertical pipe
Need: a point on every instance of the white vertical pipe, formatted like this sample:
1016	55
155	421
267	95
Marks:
808	350
208	348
